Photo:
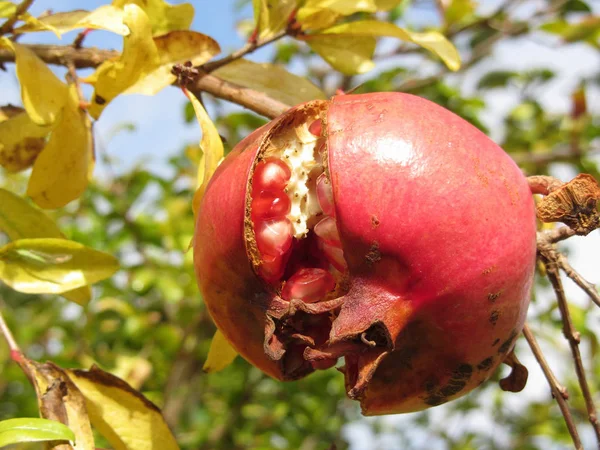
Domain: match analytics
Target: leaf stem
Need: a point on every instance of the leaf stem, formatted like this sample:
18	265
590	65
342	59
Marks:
15	350
250	47
559	392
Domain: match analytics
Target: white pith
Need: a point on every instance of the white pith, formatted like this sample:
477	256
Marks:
305	163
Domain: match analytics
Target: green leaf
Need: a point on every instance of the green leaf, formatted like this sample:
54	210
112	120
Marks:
52	266
496	79
271	79
14	431
431	40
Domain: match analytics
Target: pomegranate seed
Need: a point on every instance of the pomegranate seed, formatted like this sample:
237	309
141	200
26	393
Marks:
271	174
334	255
270	204
272	268
325	195
327	231
308	285
273	236
316	127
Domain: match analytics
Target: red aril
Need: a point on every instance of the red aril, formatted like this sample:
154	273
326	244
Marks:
308	285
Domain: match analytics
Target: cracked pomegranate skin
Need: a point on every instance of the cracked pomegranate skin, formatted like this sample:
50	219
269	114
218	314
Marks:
437	228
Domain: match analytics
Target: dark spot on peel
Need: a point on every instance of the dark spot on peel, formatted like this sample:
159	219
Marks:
374	221
373	255
493	296
435	400
494	316
505	347
485	364
495	342
458	380
99	100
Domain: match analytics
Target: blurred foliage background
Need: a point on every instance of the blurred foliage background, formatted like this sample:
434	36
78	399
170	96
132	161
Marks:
149	326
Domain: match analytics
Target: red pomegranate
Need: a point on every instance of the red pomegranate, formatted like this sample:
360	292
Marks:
380	228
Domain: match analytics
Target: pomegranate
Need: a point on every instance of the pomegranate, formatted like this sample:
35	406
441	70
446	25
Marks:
378	228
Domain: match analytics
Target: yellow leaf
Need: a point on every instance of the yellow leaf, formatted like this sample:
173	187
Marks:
105	17
212	149
126	418
52	266
134	370
43	94
431	40
163	16
139	58
37	25
61	171
271	16
173	48
21	140
348	54
386	5
220	354
343	7
60	400
318	14
7	9
21	220
271	79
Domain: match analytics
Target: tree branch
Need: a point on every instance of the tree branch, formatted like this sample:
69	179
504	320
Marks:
573	336
256	101
585	285
558	391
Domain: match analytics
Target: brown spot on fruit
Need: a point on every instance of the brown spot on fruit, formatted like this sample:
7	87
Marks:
99	100
485	364
495	342
505	347
374	221
493	296
373	255
494	316
488	270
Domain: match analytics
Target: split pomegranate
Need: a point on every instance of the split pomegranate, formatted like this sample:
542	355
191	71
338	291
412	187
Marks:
377	228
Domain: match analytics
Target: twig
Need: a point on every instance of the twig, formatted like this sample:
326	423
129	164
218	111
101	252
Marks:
543	184
256	101
7	26
588	288
245	50
552	271
558	391
15	351
547	238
